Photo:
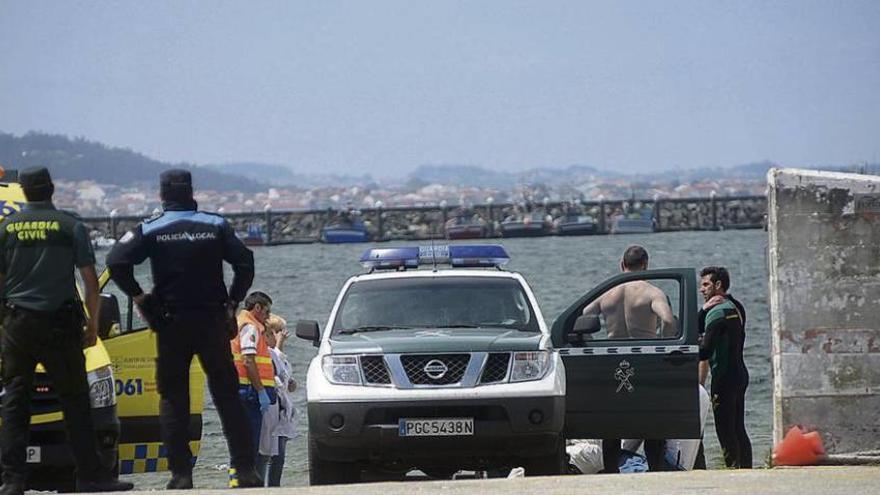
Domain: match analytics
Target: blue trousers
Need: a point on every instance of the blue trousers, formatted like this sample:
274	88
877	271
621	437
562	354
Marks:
255	417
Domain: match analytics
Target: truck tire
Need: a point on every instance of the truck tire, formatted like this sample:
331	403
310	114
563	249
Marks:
550	465
323	472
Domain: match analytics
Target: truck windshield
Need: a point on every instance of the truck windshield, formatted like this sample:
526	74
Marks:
443	302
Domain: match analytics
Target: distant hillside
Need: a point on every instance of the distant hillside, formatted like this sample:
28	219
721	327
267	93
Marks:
748	171
279	175
473	176
80	159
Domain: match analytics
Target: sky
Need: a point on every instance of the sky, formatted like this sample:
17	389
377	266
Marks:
381	87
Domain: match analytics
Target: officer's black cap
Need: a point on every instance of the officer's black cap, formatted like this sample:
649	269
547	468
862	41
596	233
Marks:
33	178
175	184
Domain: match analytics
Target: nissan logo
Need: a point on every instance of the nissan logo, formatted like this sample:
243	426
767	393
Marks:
435	369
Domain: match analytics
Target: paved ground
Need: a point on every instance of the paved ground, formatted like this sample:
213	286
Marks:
801	481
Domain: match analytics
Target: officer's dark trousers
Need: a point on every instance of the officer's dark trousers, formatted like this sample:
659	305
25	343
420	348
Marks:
728	408
202	333
55	340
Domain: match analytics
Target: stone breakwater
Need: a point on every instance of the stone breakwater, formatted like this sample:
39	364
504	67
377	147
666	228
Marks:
425	222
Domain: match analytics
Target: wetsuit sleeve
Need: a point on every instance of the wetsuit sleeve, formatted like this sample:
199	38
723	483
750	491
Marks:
83	253
130	250
713	334
242	260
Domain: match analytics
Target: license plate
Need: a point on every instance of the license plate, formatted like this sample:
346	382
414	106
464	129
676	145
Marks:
435	427
33	455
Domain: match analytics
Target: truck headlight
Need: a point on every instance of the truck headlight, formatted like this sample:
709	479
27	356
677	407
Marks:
102	392
342	370
529	365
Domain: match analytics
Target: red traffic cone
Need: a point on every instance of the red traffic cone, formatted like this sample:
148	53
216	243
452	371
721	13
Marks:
797	449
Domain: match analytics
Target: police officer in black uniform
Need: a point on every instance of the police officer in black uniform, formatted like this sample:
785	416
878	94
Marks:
43	323
191	312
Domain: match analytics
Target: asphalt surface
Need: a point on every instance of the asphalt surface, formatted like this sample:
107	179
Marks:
847	480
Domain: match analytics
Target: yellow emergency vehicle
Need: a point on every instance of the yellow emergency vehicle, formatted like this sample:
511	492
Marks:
121	369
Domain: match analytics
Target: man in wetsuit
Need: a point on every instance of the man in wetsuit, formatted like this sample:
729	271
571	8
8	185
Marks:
191	312
723	321
634	310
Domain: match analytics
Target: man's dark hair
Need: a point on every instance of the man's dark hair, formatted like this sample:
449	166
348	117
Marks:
635	257
36	184
717	273
255	298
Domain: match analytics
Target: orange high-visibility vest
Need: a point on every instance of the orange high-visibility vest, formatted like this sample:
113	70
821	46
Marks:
262	358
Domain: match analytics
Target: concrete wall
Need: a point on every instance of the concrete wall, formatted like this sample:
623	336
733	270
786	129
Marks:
824	261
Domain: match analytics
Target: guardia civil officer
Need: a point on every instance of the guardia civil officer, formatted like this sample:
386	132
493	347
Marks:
191	312
43	323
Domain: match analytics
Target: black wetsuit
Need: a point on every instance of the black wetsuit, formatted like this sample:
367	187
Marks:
722	345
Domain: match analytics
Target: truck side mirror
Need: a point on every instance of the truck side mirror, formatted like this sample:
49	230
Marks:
587	324
308	330
584	326
109	315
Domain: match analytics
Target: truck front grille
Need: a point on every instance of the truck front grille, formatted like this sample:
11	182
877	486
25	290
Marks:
375	371
496	367
435	369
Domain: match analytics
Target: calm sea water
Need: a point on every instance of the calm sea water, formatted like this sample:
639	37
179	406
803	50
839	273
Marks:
303	280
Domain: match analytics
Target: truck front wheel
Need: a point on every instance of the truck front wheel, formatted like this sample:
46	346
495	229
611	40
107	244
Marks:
549	465
322	472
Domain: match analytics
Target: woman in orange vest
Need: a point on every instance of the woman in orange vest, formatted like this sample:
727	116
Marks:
250	353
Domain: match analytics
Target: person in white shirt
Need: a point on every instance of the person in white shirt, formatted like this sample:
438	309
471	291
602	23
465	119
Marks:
278	421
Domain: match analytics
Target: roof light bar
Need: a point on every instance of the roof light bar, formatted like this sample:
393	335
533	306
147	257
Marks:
459	256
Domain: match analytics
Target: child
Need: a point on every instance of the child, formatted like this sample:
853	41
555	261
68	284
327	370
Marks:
278	421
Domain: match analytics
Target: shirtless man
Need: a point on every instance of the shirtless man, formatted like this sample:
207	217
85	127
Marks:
635	310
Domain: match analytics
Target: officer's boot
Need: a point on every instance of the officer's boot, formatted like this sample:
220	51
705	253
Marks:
180	481
244	478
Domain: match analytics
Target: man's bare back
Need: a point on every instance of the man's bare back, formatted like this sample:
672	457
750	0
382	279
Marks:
632	311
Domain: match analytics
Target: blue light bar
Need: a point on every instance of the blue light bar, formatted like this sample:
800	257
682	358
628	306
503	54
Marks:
390	258
476	255
459	256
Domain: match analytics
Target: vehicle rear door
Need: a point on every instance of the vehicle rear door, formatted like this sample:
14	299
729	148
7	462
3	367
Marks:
629	382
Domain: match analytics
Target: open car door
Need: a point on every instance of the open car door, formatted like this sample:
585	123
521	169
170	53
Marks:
631	362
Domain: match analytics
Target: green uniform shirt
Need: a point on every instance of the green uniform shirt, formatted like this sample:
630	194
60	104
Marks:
39	248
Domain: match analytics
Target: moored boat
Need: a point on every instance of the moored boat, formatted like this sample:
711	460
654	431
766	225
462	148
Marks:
254	236
529	225
633	224
577	225
345	232
463	227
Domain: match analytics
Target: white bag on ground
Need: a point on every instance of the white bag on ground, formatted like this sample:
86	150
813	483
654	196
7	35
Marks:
586	455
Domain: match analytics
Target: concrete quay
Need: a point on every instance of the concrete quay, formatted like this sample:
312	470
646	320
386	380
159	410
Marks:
824	480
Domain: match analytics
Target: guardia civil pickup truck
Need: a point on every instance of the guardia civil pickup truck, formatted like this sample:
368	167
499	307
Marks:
439	359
